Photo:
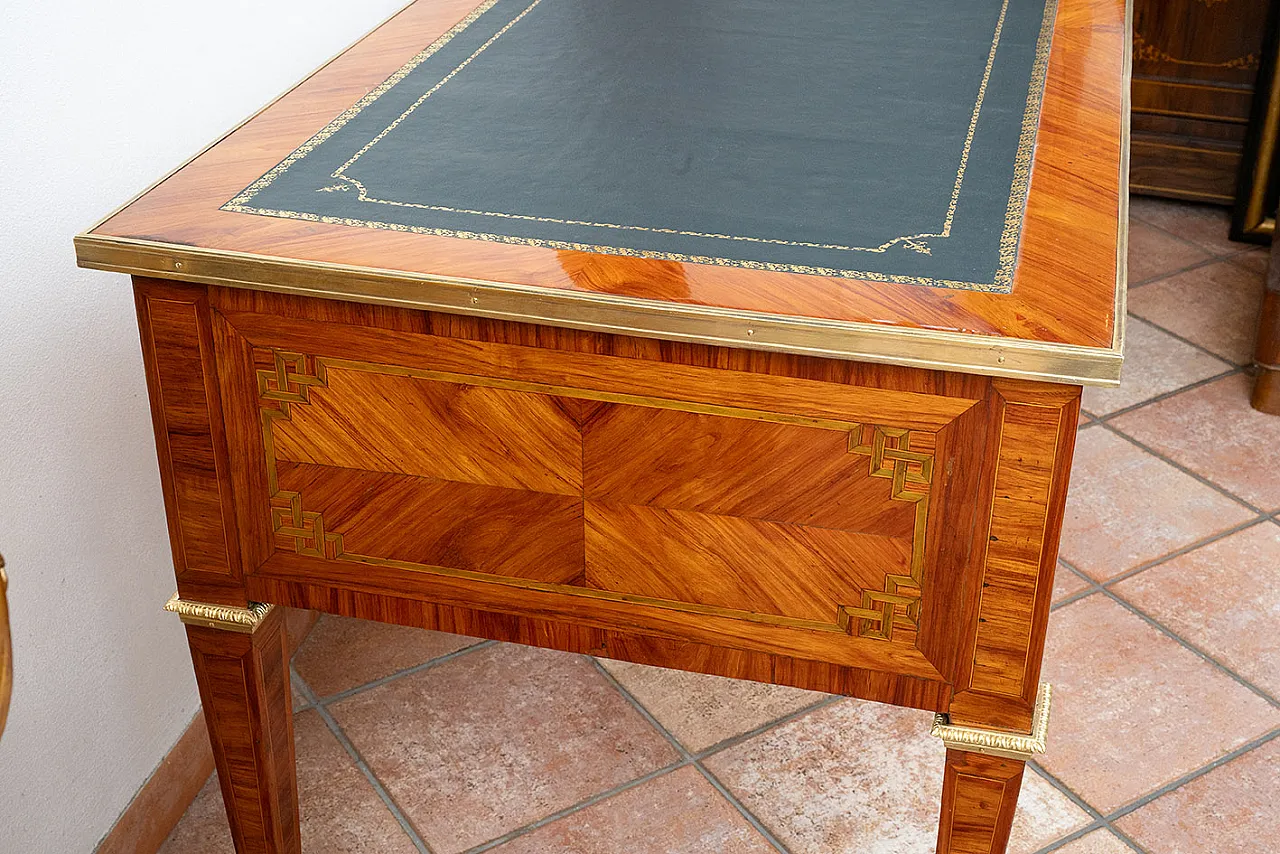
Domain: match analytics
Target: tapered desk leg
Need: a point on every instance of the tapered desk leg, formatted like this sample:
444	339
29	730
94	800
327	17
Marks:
982	780
242	669
979	795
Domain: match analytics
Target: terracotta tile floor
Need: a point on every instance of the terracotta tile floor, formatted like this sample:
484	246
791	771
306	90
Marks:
1162	649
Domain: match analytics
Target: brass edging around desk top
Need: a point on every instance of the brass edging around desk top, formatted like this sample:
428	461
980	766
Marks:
920	348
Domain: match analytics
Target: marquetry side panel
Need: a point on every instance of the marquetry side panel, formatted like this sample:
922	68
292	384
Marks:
721	659
770	507
244	690
178	352
1031	459
703	528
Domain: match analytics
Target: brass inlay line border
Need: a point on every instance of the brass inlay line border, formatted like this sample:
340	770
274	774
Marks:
226	617
294	375
995	743
1007	253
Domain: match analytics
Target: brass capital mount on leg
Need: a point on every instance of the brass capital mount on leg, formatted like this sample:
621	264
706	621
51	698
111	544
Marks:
226	617
995	743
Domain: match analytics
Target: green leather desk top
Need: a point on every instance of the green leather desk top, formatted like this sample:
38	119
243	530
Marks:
884	141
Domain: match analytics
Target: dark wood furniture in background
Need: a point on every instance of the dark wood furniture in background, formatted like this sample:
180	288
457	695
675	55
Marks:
1255	213
1195	65
1258	191
1266	388
840	484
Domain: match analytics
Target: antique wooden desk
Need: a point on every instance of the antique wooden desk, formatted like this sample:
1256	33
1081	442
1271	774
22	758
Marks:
734	336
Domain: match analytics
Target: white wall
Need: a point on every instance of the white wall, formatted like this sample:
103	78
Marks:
96	101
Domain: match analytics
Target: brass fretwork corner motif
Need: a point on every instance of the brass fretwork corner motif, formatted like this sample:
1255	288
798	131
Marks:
292	379
898	603
305	527
290	383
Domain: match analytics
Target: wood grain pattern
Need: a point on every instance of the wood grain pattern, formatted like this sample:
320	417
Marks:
1031	465
709	464
694	464
979	795
679	505
244	688
444	430
177	349
507	532
1064	287
722	562
565	634
285	309
738	563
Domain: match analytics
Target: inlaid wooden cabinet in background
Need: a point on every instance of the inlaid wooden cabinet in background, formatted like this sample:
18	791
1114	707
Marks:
1195	65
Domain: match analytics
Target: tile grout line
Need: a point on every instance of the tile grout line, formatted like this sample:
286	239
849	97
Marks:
400	674
1100	821
1188	341
1182	550
1180	467
1231	370
385	796
578	807
687	759
1107	820
1163	629
1240	250
1230	756
1160	277
1153	562
728	796
734	741
1064	841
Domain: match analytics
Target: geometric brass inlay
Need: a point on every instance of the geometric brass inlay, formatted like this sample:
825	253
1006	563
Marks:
896	604
911	473
995	743
227	617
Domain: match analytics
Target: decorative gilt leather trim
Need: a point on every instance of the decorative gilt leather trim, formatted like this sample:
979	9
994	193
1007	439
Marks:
226	617
994	743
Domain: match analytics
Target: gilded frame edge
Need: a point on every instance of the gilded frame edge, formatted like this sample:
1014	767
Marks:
225	617
1006	745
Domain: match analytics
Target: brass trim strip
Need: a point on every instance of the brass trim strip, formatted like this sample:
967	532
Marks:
866	342
226	617
995	743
